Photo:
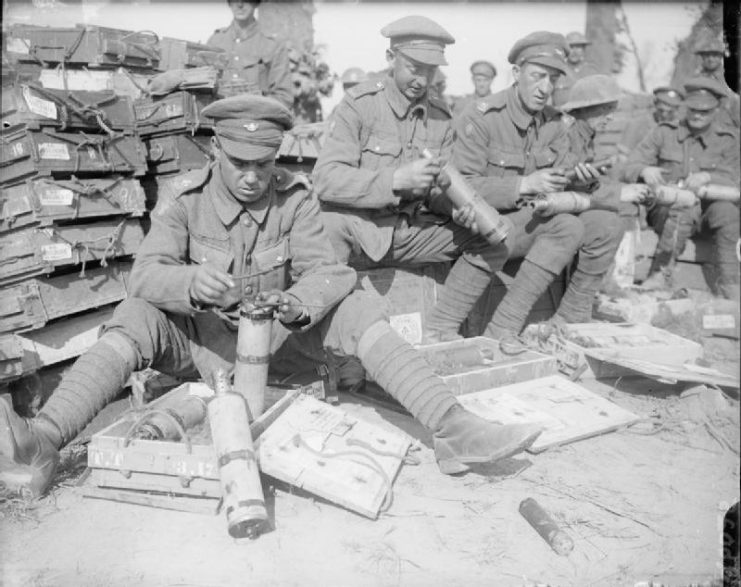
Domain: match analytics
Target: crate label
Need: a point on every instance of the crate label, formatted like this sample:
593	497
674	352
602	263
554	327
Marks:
56	197
53	151
718	321
56	252
38	105
18	45
173	110
17	149
409	326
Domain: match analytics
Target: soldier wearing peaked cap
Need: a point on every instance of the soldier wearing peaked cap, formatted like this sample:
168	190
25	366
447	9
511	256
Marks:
666	104
482	75
513	146
696	150
239	230
257	62
382	204
579	67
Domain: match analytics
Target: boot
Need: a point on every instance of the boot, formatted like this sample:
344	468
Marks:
459	436
464	438
28	454
576	304
463	287
660	272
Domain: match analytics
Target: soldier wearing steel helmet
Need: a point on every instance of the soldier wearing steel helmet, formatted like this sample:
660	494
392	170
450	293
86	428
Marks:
696	150
243	229
513	146
257	62
578	68
710	52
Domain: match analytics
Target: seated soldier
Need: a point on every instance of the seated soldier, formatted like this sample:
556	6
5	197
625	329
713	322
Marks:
378	190
242	229
512	147
697	150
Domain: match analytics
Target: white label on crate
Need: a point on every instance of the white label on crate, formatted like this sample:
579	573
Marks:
713	321
38	105
409	326
56	197
173	110
18	45
56	252
53	151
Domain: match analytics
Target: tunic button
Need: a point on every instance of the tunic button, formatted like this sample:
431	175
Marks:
236	58
279	259
501	162
377	148
248	289
246	221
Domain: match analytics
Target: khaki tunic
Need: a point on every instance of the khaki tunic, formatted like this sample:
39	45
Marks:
257	63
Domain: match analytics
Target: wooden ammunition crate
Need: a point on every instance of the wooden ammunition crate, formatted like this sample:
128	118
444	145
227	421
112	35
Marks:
477	363
409	293
596	342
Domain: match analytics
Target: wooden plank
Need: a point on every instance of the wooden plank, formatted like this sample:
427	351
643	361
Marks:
136	480
324	450
567	411
208	506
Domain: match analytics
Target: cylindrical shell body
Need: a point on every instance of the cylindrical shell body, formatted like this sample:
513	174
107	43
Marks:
668	195
253	356
714	191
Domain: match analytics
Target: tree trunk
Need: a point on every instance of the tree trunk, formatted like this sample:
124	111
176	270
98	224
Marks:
602	25
289	20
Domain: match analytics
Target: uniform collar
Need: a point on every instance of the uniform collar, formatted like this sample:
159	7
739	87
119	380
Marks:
401	105
237	32
683	132
227	206
521	117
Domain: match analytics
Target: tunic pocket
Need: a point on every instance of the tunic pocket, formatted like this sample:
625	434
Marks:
209	250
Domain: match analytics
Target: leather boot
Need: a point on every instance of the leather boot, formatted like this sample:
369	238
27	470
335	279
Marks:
28	455
463	438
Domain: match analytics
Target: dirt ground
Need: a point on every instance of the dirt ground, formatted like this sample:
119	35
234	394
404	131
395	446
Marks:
641	504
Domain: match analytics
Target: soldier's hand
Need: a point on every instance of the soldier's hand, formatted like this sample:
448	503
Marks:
543	181
466	217
653	176
416	176
695	181
209	285
586	172
287	309
637	193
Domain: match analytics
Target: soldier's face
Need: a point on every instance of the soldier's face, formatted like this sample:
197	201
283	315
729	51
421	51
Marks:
711	61
700	119
247	181
482	85
598	116
535	84
576	54
665	112
411	77
242	10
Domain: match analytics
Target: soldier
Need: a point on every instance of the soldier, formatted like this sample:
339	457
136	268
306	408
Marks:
513	146
257	63
352	77
379	197
240	228
482	75
579	67
697	150
711	52
667	101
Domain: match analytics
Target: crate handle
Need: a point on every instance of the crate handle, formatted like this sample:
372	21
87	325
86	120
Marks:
147	415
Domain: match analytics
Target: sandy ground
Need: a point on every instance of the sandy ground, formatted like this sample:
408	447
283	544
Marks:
638	506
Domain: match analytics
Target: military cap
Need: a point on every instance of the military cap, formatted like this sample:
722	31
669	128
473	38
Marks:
703	93
419	38
541	47
592	90
668	95
711	46
483	67
576	38
248	126
353	75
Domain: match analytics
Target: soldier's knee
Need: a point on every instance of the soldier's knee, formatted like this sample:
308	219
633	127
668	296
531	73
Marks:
137	320
568	229
360	310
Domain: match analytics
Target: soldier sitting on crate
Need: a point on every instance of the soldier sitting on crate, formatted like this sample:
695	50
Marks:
378	192
240	228
697	150
257	63
513	147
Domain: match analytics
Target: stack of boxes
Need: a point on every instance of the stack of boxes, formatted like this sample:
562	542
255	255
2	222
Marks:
89	130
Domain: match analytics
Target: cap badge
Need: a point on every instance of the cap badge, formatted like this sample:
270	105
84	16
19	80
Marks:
251	126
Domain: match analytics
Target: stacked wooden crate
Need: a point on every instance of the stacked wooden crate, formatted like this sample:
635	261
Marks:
82	136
